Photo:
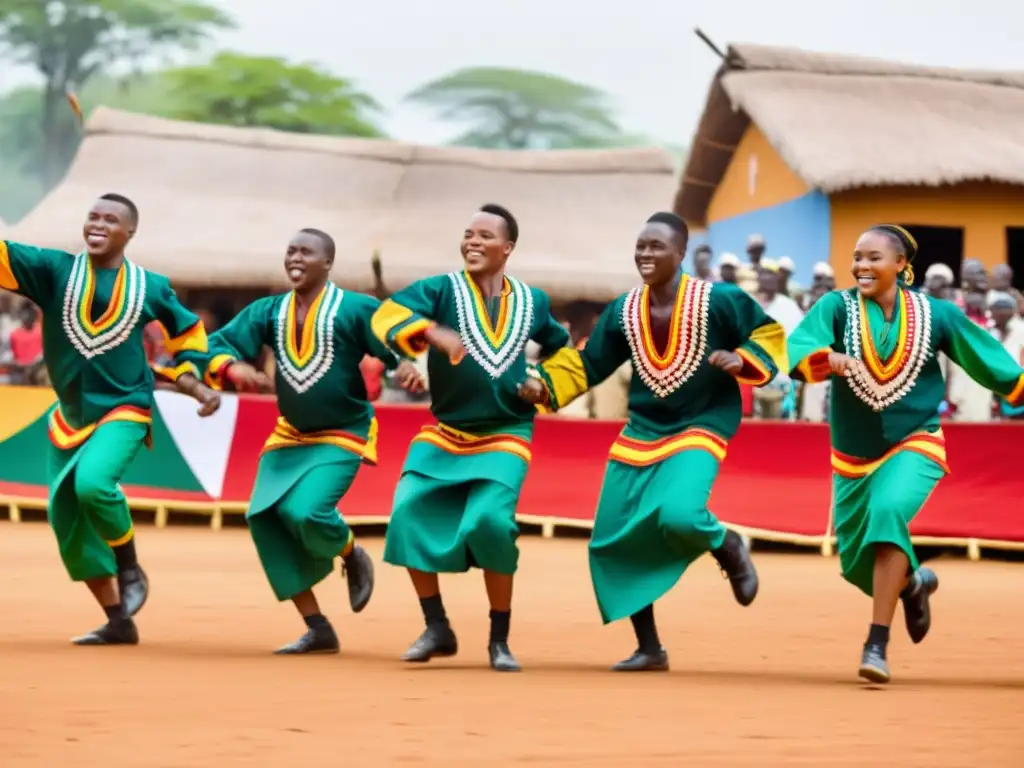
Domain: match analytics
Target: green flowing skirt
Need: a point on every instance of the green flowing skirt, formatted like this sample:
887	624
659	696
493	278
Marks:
651	523
877	509
452	512
293	516
87	508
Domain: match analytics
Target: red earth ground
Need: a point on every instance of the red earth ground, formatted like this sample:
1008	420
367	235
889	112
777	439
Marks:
773	684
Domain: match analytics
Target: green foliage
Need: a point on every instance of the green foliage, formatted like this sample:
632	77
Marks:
239	90
71	41
516	109
23	146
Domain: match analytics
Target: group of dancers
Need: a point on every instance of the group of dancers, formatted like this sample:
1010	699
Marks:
691	344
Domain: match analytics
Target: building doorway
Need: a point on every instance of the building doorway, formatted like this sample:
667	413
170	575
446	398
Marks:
937	245
1015	254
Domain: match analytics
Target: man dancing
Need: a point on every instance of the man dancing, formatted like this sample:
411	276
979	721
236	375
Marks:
318	334
690	342
95	306
455	504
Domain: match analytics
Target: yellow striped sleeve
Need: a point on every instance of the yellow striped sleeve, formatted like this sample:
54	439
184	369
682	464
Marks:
564	376
7	279
400	329
215	370
763	354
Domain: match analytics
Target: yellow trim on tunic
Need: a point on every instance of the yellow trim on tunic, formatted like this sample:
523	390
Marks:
173	374
771	338
568	377
884	371
215	370
287	436
65	437
302	352
661	362
1015	397
409	339
814	368
194	339
498	331
7	279
931	445
643	453
115	307
463	443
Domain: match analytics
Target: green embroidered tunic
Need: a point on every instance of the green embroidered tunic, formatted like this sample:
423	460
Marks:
652	518
93	321
455	504
888	452
326	431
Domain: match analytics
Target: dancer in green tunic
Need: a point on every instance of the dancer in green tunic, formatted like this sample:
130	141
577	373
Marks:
318	334
455	504
879	343
690	343
95	306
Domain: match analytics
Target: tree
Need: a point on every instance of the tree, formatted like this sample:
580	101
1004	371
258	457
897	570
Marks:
71	41
262	91
23	146
517	109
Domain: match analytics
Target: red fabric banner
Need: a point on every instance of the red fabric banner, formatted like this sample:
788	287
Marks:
775	479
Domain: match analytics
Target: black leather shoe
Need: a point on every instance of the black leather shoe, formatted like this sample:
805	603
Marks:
917	612
321	640
644	661
502	659
437	640
134	586
873	666
122	632
734	559
357	569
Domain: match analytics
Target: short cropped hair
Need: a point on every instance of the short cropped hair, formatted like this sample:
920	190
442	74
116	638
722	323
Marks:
511	225
133	210
327	240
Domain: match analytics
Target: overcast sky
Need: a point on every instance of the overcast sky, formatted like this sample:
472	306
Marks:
642	52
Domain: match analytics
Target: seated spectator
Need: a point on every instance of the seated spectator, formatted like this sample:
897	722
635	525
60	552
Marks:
26	343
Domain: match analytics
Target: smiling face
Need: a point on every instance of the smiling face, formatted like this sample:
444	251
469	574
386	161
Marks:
485	244
877	263
307	262
658	254
108	228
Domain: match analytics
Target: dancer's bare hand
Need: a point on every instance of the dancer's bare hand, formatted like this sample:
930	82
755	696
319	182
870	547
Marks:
533	391
729	362
842	365
446	340
409	378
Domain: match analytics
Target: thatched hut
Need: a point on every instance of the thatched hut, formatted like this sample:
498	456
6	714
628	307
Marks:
218	204
810	149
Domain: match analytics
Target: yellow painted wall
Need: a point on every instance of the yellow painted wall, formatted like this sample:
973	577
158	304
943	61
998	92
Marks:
983	210
773	183
20	406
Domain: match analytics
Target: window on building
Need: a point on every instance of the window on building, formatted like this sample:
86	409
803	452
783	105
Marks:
937	245
1015	254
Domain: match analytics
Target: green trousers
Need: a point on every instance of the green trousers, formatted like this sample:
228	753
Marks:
87	509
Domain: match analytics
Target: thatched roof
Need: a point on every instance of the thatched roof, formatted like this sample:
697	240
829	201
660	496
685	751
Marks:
842	122
219	204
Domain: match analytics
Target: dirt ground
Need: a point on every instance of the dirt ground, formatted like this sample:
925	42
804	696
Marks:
773	684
